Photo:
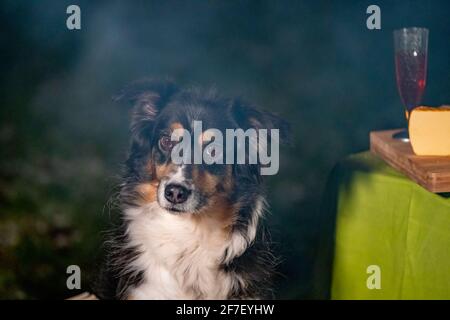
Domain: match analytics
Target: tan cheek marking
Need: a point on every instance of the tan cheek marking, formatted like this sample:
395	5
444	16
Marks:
160	170
218	216
210	181
148	191
205	181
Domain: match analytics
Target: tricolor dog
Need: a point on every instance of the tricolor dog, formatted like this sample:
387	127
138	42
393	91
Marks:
189	230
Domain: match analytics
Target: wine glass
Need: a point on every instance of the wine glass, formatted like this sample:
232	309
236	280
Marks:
411	50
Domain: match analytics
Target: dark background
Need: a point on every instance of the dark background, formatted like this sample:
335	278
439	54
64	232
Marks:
63	140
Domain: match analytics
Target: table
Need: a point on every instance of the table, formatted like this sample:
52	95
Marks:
378	217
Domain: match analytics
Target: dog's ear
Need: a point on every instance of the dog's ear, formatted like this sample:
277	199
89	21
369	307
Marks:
248	116
147	98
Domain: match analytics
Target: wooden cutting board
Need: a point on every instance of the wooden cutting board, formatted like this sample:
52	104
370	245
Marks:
432	173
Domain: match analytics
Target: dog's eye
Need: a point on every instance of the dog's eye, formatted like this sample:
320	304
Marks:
165	143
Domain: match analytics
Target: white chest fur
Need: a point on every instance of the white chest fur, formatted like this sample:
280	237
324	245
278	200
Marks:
180	259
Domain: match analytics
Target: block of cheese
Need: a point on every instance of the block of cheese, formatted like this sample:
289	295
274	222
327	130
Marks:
429	131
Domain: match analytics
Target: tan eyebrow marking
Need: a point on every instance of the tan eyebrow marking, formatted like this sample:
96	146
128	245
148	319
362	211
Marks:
176	125
177	130
206	137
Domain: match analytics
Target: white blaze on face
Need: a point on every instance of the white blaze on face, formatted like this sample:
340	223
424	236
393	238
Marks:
178	178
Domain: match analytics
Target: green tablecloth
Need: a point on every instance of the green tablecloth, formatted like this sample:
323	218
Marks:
382	218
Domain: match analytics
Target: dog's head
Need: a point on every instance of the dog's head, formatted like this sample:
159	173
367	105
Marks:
162	111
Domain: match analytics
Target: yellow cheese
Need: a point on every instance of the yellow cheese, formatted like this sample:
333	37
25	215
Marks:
429	131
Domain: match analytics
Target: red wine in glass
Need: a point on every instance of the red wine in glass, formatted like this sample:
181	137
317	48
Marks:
411	51
411	70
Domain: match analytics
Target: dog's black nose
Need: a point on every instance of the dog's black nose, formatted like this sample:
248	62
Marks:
176	193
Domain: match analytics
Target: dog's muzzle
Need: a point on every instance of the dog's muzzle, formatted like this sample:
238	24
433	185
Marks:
177	194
